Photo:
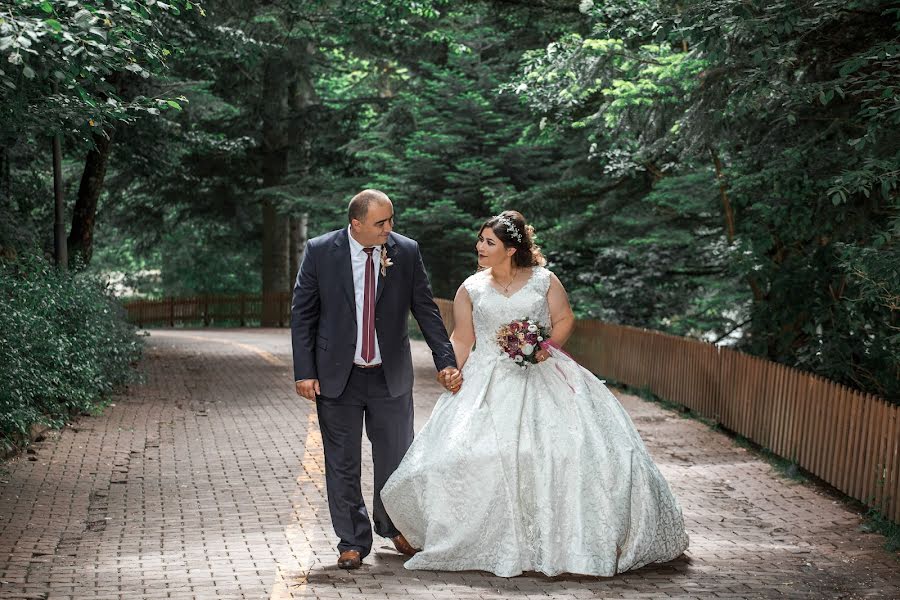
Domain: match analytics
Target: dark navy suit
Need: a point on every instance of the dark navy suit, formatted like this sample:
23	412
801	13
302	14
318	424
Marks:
324	334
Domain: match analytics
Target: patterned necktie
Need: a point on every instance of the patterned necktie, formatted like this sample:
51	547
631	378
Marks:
368	324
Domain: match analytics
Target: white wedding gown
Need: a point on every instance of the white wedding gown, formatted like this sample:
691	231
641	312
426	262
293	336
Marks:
530	469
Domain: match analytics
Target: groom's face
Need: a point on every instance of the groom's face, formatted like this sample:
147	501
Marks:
375	227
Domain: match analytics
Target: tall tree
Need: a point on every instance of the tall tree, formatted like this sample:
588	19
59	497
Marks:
69	62
449	147
793	105
291	49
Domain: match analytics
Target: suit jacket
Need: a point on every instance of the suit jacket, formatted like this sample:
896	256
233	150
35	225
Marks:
323	314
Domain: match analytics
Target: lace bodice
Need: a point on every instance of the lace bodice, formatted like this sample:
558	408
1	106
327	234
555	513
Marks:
491	309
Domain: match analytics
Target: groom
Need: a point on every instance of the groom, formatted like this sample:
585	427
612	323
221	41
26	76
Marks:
353	294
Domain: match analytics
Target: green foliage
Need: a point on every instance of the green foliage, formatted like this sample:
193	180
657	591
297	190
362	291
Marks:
674	252
724	170
448	150
188	257
877	522
794	104
208	258
193	203
61	61
25	209
64	346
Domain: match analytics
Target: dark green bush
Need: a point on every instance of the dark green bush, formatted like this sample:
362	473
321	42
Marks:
64	346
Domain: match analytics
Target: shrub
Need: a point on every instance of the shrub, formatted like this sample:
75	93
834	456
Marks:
64	346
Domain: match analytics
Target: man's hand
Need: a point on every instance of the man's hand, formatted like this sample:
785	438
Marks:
308	388
451	378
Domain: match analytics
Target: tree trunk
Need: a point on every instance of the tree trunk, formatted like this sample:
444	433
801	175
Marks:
84	215
5	175
275	148
60	247
275	263
7	251
723	191
302	98
298	241
760	295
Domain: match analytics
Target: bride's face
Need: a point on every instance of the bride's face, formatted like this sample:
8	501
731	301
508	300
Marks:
491	251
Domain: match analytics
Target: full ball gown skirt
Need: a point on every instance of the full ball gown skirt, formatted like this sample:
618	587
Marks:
534	468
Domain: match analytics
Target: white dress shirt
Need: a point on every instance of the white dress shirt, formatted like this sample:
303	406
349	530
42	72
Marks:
358	258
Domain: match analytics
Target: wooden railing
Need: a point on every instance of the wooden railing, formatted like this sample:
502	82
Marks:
240	309
847	438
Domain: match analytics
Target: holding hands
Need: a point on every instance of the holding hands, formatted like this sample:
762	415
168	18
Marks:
451	378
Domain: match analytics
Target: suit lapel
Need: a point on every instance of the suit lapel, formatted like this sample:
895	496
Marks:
391	250
344	263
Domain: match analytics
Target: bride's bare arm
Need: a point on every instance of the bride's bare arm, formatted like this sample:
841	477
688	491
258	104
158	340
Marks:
562	318
463	336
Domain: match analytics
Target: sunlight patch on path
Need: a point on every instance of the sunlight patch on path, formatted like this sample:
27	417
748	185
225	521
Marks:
291	580
263	354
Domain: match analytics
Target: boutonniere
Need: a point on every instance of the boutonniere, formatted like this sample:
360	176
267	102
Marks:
385	261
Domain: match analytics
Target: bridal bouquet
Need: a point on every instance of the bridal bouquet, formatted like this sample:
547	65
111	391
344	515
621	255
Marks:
520	340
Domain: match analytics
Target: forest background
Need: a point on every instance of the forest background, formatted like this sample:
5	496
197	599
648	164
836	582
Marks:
725	170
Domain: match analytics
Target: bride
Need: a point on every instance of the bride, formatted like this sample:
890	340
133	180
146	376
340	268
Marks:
529	466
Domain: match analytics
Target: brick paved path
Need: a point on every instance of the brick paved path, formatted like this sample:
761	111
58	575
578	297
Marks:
206	482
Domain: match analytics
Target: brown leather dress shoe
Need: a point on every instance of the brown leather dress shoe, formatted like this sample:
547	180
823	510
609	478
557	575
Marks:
402	546
349	559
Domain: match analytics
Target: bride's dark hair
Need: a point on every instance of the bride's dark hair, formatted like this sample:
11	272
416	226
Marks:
511	229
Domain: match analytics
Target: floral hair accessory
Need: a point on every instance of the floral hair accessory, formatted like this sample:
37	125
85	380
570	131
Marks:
511	228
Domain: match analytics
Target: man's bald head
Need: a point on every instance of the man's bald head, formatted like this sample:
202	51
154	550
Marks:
371	217
359	205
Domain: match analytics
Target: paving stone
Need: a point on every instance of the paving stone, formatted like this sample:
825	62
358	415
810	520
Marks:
207	481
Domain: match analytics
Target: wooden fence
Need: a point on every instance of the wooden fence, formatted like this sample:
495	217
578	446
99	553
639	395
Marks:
848	439
241	309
